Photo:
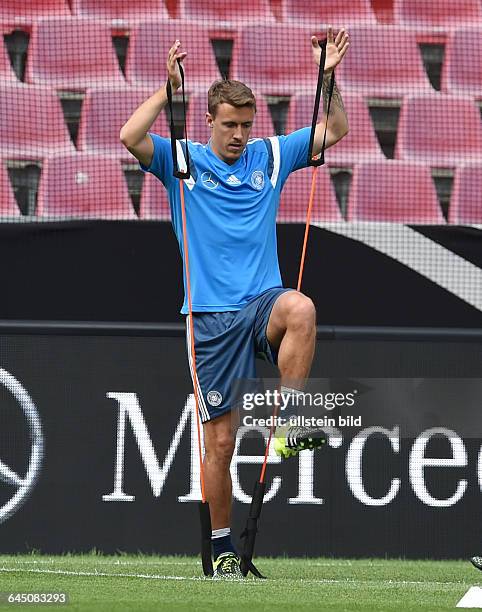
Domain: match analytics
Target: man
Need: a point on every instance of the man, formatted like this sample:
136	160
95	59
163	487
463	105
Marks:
240	307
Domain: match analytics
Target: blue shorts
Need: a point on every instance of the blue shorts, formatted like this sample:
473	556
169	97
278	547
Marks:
226	346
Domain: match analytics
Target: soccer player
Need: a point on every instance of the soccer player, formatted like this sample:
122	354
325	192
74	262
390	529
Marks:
240	308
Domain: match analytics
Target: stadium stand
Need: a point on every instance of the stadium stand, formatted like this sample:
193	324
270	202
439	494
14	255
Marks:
387	63
462	68
104	112
466	202
73	54
393	191
145	68
71	48
24	131
296	193
328	12
121	14
154	203
432	14
231	13
8	204
277	73
26	12
439	130
81	186
198	131
360	145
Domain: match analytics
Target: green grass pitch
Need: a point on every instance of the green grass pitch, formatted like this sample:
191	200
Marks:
138	582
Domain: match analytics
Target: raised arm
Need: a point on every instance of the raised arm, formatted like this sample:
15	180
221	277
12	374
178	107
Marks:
134	133
337	120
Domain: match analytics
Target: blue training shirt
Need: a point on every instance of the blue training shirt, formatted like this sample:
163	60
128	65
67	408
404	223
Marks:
230	215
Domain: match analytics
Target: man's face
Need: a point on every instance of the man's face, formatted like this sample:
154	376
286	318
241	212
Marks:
230	130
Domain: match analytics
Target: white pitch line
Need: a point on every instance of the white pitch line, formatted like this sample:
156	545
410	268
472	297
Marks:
141	561
104	574
349	581
105	561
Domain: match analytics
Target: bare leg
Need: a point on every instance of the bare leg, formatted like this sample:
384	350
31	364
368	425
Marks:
219	444
292	330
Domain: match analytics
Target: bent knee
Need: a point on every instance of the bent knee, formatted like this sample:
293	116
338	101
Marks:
301	311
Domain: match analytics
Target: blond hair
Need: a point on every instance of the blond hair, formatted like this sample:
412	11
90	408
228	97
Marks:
231	92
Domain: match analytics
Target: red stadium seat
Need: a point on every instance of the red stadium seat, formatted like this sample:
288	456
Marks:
339	13
466	203
154	201
296	194
32	124
383	10
120	14
198	131
394	191
359	145
8	204
150	43
463	63
104	112
73	53
439	130
430	13
383	61
226	12
19	12
82	185
6	72
275	71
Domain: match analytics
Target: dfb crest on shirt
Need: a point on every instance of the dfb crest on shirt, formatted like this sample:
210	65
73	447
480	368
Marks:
257	180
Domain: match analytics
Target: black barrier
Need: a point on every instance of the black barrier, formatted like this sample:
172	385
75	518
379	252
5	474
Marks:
131	271
98	449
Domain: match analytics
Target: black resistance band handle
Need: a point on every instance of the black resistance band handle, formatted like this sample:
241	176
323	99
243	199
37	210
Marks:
205	517
321	159
251	529
176	172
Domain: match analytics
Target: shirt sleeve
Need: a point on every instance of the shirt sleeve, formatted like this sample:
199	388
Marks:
161	164
293	151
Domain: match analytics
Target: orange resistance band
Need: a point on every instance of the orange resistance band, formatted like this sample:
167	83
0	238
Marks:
300	277
307	228
191	339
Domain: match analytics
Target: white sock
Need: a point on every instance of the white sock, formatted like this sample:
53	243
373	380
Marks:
220	533
292	406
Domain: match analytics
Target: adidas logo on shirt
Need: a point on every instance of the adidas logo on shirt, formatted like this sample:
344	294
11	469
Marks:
233	180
